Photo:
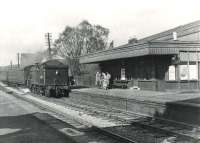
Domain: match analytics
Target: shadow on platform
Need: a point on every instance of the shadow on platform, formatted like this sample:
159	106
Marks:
187	111
29	129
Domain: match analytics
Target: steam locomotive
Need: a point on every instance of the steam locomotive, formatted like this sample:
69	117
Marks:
49	78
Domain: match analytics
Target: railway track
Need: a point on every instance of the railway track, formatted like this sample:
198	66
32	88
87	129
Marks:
172	128
118	137
133	128
163	128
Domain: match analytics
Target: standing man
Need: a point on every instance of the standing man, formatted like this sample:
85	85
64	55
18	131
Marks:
108	77
98	78
104	80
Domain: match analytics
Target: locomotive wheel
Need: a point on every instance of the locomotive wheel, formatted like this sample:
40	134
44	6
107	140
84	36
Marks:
46	93
34	90
31	89
66	93
43	92
52	93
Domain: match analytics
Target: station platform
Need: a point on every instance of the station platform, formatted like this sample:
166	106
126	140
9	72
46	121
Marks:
182	106
142	95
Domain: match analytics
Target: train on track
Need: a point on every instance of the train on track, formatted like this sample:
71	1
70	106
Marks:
49	78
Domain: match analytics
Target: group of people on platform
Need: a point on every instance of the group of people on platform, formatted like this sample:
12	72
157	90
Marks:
103	80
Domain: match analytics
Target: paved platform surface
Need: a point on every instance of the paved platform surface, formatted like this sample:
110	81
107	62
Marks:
19	124
142	95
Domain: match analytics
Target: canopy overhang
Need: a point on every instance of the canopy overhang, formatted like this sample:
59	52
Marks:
141	49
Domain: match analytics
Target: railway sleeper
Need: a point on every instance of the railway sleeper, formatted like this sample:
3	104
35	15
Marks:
169	132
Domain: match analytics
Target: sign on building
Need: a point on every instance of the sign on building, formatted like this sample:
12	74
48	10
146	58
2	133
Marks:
123	75
189	56
188	72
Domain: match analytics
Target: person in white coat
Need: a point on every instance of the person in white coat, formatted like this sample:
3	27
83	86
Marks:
98	79
104	81
108	77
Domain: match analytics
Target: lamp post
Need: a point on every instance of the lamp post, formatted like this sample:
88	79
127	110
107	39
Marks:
176	62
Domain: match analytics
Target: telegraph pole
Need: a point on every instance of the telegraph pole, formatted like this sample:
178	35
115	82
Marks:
48	37
18	60
11	65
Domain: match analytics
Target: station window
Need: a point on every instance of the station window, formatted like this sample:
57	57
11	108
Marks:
188	72
172	72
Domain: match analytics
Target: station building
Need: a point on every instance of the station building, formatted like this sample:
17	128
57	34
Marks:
167	60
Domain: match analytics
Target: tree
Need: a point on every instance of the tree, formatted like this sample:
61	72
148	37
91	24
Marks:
80	40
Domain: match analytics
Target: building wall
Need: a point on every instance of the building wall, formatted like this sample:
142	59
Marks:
143	68
144	72
147	72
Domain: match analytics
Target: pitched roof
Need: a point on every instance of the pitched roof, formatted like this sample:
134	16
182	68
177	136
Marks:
141	49
181	30
161	43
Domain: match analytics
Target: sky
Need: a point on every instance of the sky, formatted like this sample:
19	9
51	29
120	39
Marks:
23	23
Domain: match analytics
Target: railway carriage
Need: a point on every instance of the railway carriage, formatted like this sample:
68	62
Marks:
13	76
